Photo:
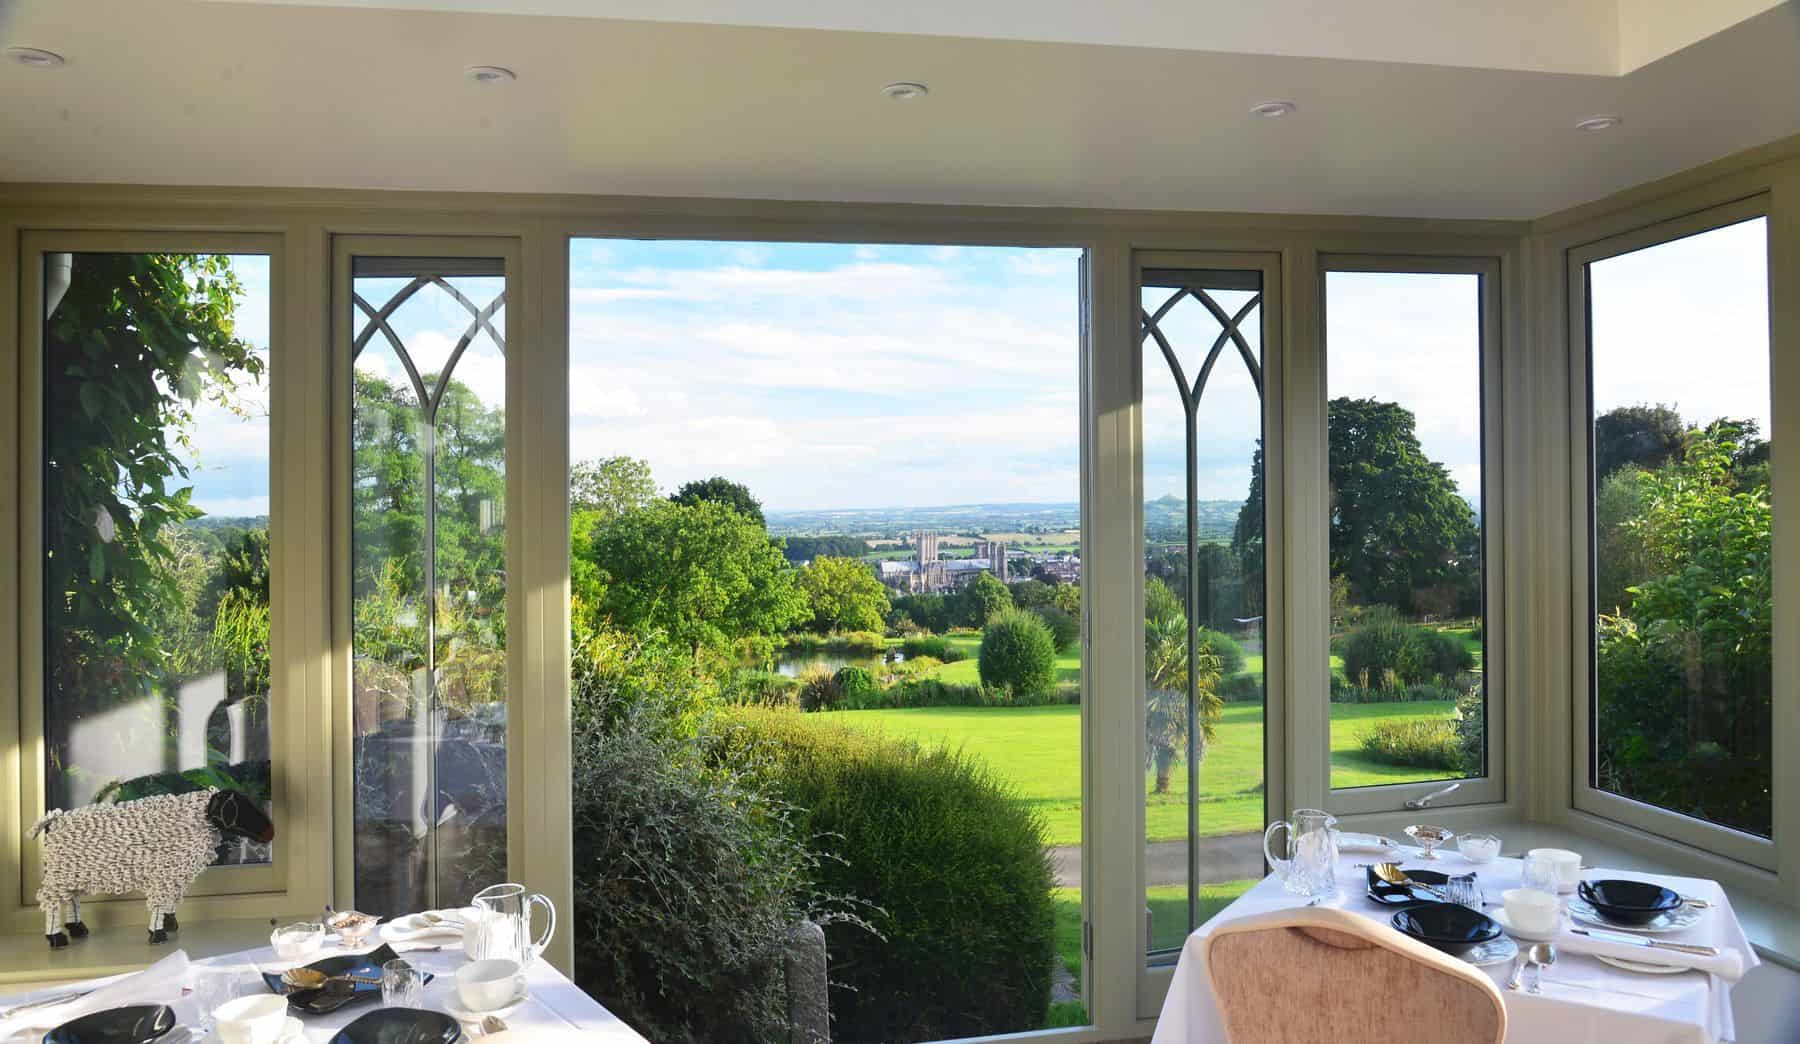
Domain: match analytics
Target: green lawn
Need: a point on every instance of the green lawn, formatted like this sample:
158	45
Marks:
1168	915
1037	749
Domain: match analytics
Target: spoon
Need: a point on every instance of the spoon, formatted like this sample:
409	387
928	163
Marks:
1543	955
1518	971
1392	874
432	918
314	979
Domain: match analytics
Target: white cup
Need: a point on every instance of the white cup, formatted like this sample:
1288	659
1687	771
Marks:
491	984
1567	863
1531	911
252	1020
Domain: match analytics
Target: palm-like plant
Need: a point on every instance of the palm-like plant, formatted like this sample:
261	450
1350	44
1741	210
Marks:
1165	690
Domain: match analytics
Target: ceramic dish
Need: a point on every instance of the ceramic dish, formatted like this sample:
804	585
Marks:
400	1026
415	926
1348	841
1400	895
1451	928
365	966
1498	913
1673	921
1628	902
136	1024
1646	967
454	1005
1499	951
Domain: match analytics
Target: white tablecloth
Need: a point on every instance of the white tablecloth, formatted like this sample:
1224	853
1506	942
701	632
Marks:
1582	999
552	1002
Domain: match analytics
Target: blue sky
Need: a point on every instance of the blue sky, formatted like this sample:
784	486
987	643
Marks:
826	375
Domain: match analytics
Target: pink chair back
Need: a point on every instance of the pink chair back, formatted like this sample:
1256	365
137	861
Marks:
1316	975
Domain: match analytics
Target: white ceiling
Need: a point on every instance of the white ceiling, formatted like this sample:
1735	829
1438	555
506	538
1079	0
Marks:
348	95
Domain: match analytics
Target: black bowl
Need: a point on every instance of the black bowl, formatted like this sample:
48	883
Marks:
400	1026
1447	926
1628	902
137	1024
1405	895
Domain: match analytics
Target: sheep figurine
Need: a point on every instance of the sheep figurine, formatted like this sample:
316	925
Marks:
156	845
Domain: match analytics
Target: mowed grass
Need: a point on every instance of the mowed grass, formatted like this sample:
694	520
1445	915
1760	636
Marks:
1038	751
1168	916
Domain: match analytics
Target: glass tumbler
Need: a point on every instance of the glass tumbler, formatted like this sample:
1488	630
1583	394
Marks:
402	986
1538	873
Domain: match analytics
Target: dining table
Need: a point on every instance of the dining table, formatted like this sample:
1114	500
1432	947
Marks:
553	1006
1582	999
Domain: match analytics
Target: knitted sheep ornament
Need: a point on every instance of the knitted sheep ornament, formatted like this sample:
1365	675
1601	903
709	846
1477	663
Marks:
156	845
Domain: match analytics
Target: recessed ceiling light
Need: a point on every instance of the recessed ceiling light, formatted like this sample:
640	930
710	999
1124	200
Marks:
1599	123
34	57
905	90
490	74
1273	110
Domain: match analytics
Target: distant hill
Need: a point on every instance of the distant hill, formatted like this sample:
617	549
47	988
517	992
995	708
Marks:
1164	519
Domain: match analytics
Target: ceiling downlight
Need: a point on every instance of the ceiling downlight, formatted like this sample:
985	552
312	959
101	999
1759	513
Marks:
34	57
905	90
490	75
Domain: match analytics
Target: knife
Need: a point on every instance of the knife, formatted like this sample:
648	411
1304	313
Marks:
1649	944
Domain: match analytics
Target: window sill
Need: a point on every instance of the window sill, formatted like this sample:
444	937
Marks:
27	961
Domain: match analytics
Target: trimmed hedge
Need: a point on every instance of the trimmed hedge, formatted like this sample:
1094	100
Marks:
1018	653
934	646
1225	647
1416	744
954	863
1430	655
1244	687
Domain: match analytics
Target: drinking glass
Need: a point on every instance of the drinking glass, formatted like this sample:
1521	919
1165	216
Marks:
402	986
1538	873
213	987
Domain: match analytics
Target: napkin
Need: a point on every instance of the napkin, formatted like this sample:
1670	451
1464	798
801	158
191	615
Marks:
161	983
1728	965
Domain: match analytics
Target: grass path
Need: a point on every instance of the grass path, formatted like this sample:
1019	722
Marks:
1037	749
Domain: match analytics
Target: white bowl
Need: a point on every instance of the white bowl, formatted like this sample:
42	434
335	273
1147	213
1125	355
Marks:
261	1019
295	942
1478	848
1567	863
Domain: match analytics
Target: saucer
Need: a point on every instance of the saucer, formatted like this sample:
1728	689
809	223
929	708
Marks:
1506	925
1645	967
453	1006
414	926
293	1031
1497	951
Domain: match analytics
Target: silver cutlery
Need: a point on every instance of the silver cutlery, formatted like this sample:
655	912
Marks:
1649	944
492	1024
1543	955
1392	874
1518	971
45	1003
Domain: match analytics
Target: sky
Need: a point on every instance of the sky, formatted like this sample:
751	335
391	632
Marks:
841	376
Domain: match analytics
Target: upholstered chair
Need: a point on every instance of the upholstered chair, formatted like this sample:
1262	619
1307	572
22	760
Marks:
1315	975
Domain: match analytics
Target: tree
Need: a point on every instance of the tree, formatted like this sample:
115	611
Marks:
1030	594
1618	552
1247	537
701	573
1166	684
721	490
844	595
1017	653
933	612
611	486
1644	435
984	597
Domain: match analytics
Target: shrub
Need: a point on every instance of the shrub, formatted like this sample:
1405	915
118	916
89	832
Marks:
1018	653
1430	744
953	861
1371	650
942	649
1471	729
1431	655
1243	687
1225	648
856	684
1065	630
756	688
819	689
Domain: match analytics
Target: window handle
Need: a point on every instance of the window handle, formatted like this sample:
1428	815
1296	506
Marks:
1422	802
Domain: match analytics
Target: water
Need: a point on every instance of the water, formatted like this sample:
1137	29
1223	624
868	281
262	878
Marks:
794	664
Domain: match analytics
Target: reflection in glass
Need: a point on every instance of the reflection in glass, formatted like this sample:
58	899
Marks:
156	528
428	581
1405	470
1203	595
1682	516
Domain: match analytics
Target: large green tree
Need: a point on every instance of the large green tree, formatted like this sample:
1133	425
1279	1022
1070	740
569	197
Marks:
844	595
984	597
611	486
721	490
702	573
1642	435
1401	534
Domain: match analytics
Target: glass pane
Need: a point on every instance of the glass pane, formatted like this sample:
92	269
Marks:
156	529
1679	341
1405	471
428	582
1203	596
820	479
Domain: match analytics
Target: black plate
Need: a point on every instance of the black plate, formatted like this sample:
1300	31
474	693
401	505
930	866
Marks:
324	1002
1628	902
1447	926
1400	895
137	1024
399	1026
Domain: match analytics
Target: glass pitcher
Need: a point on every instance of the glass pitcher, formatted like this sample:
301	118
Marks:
499	924
1310	867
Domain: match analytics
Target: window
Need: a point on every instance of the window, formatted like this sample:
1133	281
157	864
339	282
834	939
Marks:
1406	479
155	491
825	498
1205	598
428	578
1680	515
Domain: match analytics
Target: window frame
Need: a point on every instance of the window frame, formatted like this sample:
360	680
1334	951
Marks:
1490	787
1738	846
223	891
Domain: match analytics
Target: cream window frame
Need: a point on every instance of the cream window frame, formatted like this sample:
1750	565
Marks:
225	891
1490	787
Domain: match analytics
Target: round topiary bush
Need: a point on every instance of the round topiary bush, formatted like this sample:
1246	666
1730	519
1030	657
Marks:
1017	652
1065	630
1427	655
1370	651
1226	648
952	864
